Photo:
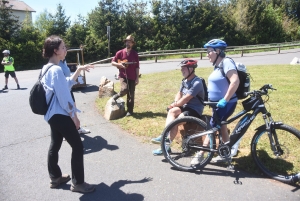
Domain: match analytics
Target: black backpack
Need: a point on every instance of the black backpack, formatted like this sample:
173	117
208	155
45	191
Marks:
204	88
244	85
37	97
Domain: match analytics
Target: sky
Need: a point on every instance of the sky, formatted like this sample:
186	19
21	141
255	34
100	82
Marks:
72	7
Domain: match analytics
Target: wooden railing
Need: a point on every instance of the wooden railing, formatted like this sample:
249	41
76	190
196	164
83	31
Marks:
201	51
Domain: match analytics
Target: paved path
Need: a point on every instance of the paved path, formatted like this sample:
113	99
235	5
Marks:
119	164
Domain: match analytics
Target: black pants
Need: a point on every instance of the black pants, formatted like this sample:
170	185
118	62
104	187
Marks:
128	87
63	127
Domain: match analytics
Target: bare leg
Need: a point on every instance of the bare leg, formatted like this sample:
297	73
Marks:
16	79
225	137
172	115
224	131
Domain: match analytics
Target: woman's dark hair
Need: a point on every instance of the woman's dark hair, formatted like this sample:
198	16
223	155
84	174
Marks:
51	43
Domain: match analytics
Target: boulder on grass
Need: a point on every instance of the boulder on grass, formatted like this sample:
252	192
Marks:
114	109
106	87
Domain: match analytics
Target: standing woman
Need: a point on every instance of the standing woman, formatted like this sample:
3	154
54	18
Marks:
62	117
221	88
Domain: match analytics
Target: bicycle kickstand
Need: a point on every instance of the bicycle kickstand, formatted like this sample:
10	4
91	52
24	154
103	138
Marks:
230	166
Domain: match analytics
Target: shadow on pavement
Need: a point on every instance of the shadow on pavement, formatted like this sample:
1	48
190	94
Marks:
88	88
20	89
95	144
3	91
235	173
113	192
148	114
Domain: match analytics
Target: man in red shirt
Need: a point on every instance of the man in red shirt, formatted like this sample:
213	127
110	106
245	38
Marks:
127	61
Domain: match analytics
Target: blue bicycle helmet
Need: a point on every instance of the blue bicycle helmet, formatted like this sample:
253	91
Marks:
216	43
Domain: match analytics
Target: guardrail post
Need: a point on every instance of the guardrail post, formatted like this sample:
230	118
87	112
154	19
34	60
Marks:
155	59
278	50
201	55
242	53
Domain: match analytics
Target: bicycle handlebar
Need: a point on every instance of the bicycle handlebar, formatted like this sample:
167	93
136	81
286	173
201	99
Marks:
262	91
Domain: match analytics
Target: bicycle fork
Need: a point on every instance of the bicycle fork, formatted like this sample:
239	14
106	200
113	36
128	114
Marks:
270	127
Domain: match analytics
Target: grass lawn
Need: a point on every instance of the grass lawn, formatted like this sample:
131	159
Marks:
157	90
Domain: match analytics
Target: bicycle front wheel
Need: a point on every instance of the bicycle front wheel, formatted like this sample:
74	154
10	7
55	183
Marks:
182	152
283	163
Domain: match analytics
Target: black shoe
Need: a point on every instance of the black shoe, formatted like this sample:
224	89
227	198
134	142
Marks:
18	86
5	87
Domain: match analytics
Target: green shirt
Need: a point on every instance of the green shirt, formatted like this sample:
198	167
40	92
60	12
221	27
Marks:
11	66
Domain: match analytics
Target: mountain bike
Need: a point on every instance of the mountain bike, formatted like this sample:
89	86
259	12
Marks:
275	146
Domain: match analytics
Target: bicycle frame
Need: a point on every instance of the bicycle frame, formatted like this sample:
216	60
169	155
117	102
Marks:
241	127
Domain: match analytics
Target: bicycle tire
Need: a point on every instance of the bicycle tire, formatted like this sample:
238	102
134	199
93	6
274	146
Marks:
178	157
286	167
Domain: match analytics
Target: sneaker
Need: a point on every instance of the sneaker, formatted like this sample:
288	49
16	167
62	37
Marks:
219	159
128	114
18	86
5	87
197	159
157	140
82	130
158	152
82	188
60	180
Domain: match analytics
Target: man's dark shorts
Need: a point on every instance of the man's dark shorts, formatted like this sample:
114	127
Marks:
189	112
11	73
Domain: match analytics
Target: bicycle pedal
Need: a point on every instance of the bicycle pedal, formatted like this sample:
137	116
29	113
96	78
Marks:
230	167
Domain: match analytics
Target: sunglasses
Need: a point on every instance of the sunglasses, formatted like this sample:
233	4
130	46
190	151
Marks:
209	51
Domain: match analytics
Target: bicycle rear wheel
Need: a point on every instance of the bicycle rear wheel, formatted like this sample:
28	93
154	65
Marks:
284	165
179	152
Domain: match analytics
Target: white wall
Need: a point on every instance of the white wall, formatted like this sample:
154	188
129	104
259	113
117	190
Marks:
22	15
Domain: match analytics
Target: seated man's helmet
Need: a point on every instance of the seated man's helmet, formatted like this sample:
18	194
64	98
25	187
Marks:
191	63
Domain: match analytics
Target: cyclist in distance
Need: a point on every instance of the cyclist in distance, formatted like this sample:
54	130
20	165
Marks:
186	102
220	89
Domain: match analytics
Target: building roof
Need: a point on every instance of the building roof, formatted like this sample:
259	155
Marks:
19	5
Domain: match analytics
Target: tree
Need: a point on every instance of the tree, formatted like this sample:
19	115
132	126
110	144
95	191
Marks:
61	23
77	33
43	23
108	13
136	21
53	24
9	23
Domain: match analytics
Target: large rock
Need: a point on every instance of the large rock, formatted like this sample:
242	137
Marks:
114	109
295	61
106	87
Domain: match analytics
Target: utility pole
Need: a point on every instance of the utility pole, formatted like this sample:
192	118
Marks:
108	36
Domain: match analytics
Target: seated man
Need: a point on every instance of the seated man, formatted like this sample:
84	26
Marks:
188	101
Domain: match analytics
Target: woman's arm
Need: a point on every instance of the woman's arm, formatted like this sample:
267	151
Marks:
79	69
234	84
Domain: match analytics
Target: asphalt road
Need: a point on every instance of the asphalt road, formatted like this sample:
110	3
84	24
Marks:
119	164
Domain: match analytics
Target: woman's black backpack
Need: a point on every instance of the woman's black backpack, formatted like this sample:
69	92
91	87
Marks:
244	78
37	97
